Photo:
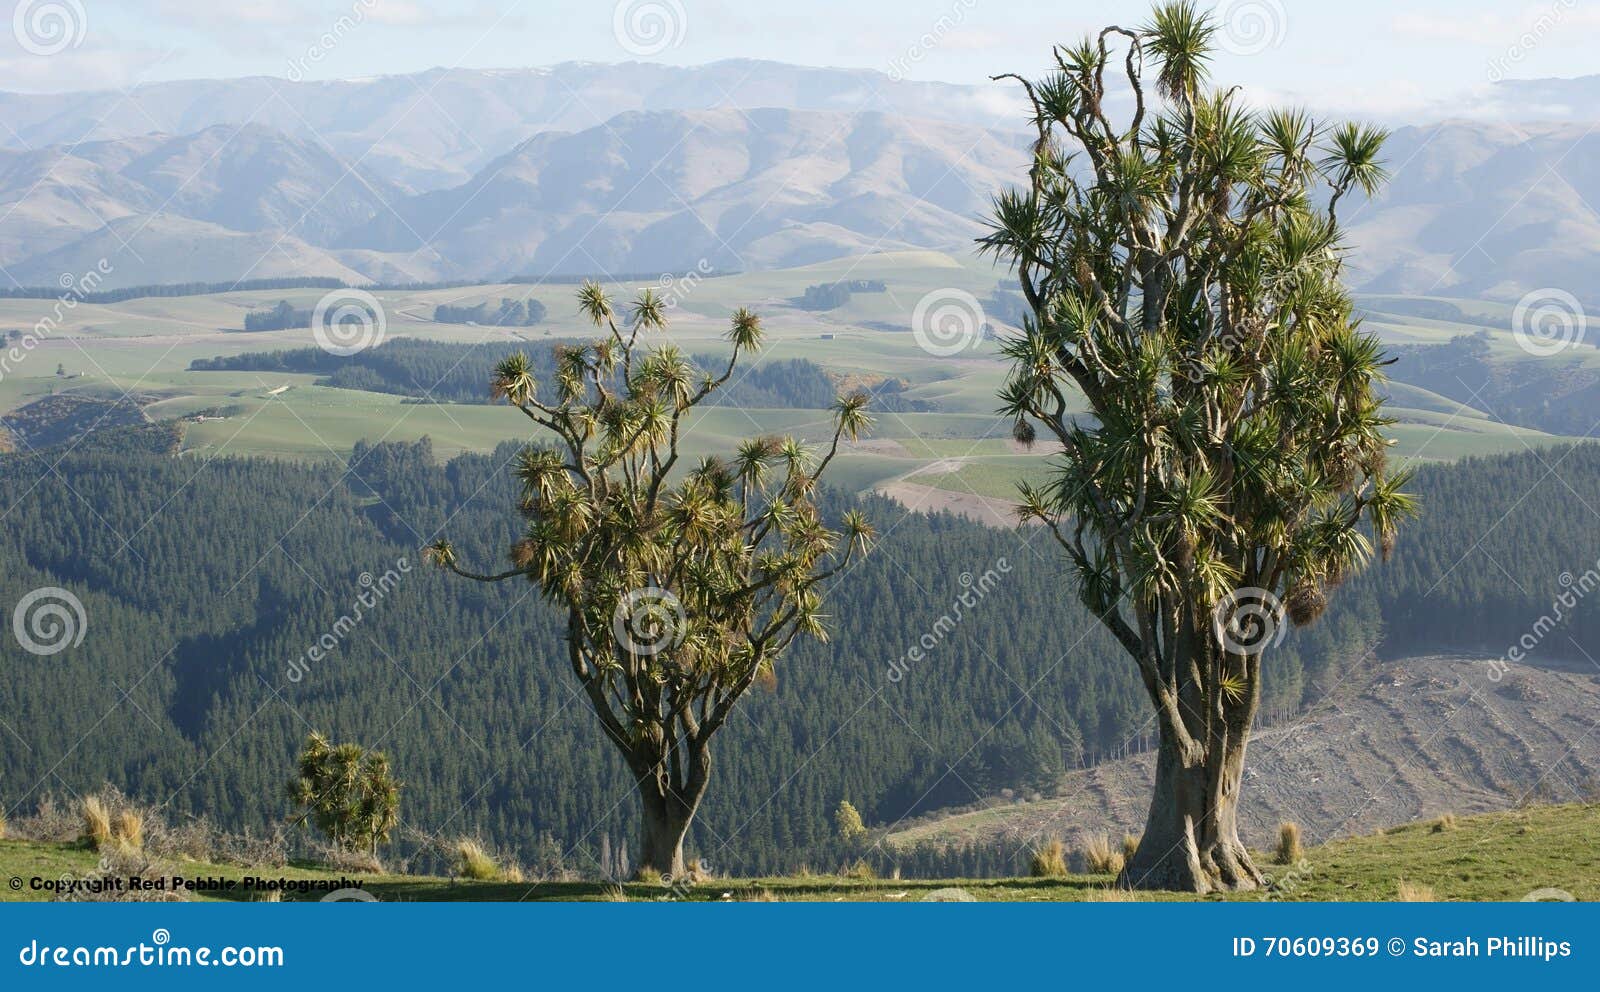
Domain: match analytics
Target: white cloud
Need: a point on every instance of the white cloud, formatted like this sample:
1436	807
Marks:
1560	22
77	69
212	17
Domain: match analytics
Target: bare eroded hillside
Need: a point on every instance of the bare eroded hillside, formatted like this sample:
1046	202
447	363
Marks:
1422	737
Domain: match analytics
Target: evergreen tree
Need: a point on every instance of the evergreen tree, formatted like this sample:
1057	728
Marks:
678	596
1182	272
347	792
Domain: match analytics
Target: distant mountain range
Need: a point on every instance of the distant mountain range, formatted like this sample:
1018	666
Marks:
660	190
637	167
435	129
1484	210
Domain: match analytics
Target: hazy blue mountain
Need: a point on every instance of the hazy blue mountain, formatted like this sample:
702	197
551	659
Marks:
1484	210
437	128
638	167
661	190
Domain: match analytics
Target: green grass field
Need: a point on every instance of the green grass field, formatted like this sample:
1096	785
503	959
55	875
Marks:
1493	857
145	347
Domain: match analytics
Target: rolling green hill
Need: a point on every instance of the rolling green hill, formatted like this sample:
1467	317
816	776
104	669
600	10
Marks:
1545	852
950	454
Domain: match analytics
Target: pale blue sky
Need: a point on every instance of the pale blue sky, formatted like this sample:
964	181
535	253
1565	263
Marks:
1394	57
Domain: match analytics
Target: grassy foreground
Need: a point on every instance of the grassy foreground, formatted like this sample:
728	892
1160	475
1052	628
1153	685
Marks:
1493	857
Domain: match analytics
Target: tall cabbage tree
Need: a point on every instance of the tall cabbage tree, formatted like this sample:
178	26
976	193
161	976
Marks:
1192	351
682	584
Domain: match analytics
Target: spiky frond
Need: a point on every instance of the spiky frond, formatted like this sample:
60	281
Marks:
745	330
514	380
595	303
1354	157
731	551
850	415
1190	345
648	312
1179	38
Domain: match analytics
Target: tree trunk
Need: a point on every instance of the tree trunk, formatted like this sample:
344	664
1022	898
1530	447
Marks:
1191	835
669	796
663	824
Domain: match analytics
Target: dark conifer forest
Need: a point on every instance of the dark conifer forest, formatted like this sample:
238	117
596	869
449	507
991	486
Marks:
207	586
442	372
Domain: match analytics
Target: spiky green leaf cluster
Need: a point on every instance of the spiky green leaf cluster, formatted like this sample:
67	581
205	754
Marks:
1182	268
724	560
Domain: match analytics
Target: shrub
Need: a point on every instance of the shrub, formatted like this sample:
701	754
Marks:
1112	894
1050	860
50	823
473	862
348	792
250	851
1130	846
1289	850
1444	823
1100	857
119	863
127	826
861	871
1411	892
848	821
2	823
344	859
647	876
696	872
96	822
193	840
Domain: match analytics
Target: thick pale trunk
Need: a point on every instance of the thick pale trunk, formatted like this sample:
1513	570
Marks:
667	807
663	825
1191	836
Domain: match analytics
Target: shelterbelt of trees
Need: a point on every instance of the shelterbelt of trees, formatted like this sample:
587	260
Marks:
453	373
206	585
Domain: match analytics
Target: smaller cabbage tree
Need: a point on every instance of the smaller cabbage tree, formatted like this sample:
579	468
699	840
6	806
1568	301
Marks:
682	584
348	792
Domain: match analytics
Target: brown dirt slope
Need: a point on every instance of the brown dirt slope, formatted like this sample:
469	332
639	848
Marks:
1425	736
